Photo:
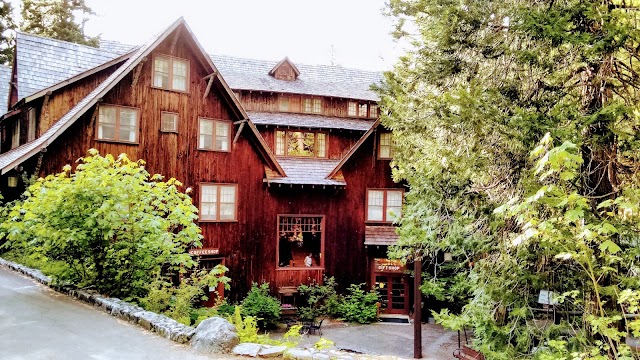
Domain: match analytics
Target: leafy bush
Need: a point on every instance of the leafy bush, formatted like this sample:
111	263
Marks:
322	300
225	309
180	302
359	306
262	306
109	225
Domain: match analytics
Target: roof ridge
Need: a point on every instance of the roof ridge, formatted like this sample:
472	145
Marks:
63	41
298	64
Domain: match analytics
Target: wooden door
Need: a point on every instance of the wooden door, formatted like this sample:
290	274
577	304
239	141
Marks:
393	291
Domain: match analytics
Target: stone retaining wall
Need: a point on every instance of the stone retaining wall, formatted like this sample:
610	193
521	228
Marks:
160	324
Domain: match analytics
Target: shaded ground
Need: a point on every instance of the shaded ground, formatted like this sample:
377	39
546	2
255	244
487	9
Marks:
38	323
387	340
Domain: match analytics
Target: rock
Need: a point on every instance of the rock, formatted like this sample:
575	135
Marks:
247	349
271	351
215	335
298	354
321	356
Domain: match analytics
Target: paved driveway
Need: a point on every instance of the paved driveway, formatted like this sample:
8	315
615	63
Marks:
38	323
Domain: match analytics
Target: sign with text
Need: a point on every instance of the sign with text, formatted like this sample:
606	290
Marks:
207	251
388	266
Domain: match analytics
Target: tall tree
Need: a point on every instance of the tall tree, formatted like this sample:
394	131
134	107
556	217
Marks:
7	28
57	19
482	84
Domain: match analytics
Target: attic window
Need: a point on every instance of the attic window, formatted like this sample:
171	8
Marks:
170	73
301	144
312	106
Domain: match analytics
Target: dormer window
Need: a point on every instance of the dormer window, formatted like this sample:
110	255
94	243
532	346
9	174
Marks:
285	70
294	143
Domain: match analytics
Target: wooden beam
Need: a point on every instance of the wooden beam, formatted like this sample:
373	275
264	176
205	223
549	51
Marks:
136	73
235	139
44	114
213	74
175	41
206	92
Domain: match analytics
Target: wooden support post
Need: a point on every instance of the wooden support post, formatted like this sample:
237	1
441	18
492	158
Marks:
235	139
206	92
417	308
175	41
136	73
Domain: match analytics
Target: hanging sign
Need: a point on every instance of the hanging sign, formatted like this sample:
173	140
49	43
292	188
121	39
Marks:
206	251
388	266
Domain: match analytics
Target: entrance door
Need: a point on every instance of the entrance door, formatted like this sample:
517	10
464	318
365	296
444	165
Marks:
393	291
212	294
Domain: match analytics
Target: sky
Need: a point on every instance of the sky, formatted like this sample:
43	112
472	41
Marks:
349	33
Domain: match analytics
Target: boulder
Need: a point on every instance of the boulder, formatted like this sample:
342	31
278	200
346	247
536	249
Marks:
215	335
298	354
247	349
271	351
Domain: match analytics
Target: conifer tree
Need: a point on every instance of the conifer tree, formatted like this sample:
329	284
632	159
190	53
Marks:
483	83
57	19
7	26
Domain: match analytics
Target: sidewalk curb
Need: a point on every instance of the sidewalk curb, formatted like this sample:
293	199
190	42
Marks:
160	324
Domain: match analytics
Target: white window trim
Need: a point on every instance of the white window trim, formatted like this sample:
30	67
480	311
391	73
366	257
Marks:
217	202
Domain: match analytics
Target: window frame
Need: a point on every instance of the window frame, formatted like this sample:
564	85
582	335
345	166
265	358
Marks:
177	122
315	143
284	103
170	60
391	148
384	205
353	104
322	242
218	192
373	111
213	135
312	102
117	125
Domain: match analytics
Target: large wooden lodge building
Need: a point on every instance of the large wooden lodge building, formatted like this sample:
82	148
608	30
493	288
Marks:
288	162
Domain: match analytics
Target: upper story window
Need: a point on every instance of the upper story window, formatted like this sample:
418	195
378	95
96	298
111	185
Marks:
362	110
283	103
15	134
31	130
118	123
218	202
373	111
301	143
214	135
168	122
385	146
312	106
384	205
300	241
352	108
170	73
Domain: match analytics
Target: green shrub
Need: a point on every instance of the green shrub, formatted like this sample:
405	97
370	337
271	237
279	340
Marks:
359	306
262	306
322	300
247	328
225	309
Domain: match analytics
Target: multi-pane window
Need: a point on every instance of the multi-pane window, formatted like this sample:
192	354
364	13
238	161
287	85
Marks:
312	106
283	103
300	240
301	143
31	130
362	110
317	106
373	111
385	146
117	123
168	122
352	108
384	205
218	202
170	73
15	135
214	135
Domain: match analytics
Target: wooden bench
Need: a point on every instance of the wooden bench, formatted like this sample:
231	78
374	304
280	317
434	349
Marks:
467	353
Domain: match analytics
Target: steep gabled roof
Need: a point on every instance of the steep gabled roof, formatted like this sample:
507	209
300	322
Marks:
311	121
320	80
337	170
5	78
18	155
43	62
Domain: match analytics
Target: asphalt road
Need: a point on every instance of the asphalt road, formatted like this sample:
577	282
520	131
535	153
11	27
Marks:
38	323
